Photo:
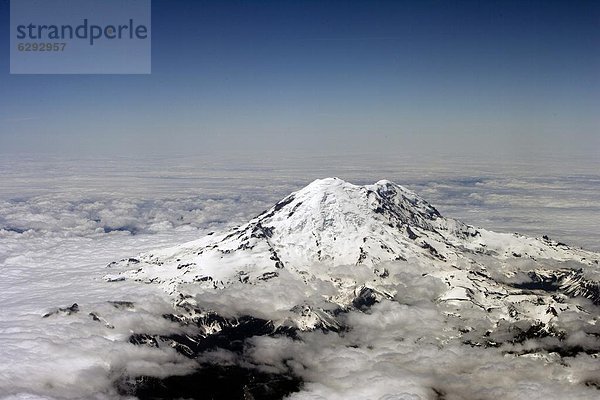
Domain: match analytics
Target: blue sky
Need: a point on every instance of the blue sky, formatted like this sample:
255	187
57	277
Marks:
328	76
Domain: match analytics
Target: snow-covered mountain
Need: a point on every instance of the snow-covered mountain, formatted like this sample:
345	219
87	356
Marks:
339	246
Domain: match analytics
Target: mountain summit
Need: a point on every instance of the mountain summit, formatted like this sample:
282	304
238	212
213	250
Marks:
357	243
329	222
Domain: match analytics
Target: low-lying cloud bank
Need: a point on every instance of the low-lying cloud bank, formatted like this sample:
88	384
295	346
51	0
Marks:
412	346
55	242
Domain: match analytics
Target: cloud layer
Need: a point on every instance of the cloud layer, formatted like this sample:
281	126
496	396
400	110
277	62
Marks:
62	222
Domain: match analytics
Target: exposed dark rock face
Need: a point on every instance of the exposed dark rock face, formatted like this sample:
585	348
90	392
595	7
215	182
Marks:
63	310
365	299
231	335
213	382
568	281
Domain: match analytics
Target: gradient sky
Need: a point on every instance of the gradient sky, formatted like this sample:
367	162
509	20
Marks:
328	76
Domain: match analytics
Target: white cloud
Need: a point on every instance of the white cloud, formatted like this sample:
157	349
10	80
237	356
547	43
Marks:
63	221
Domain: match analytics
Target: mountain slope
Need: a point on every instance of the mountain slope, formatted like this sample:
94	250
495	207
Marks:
347	246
